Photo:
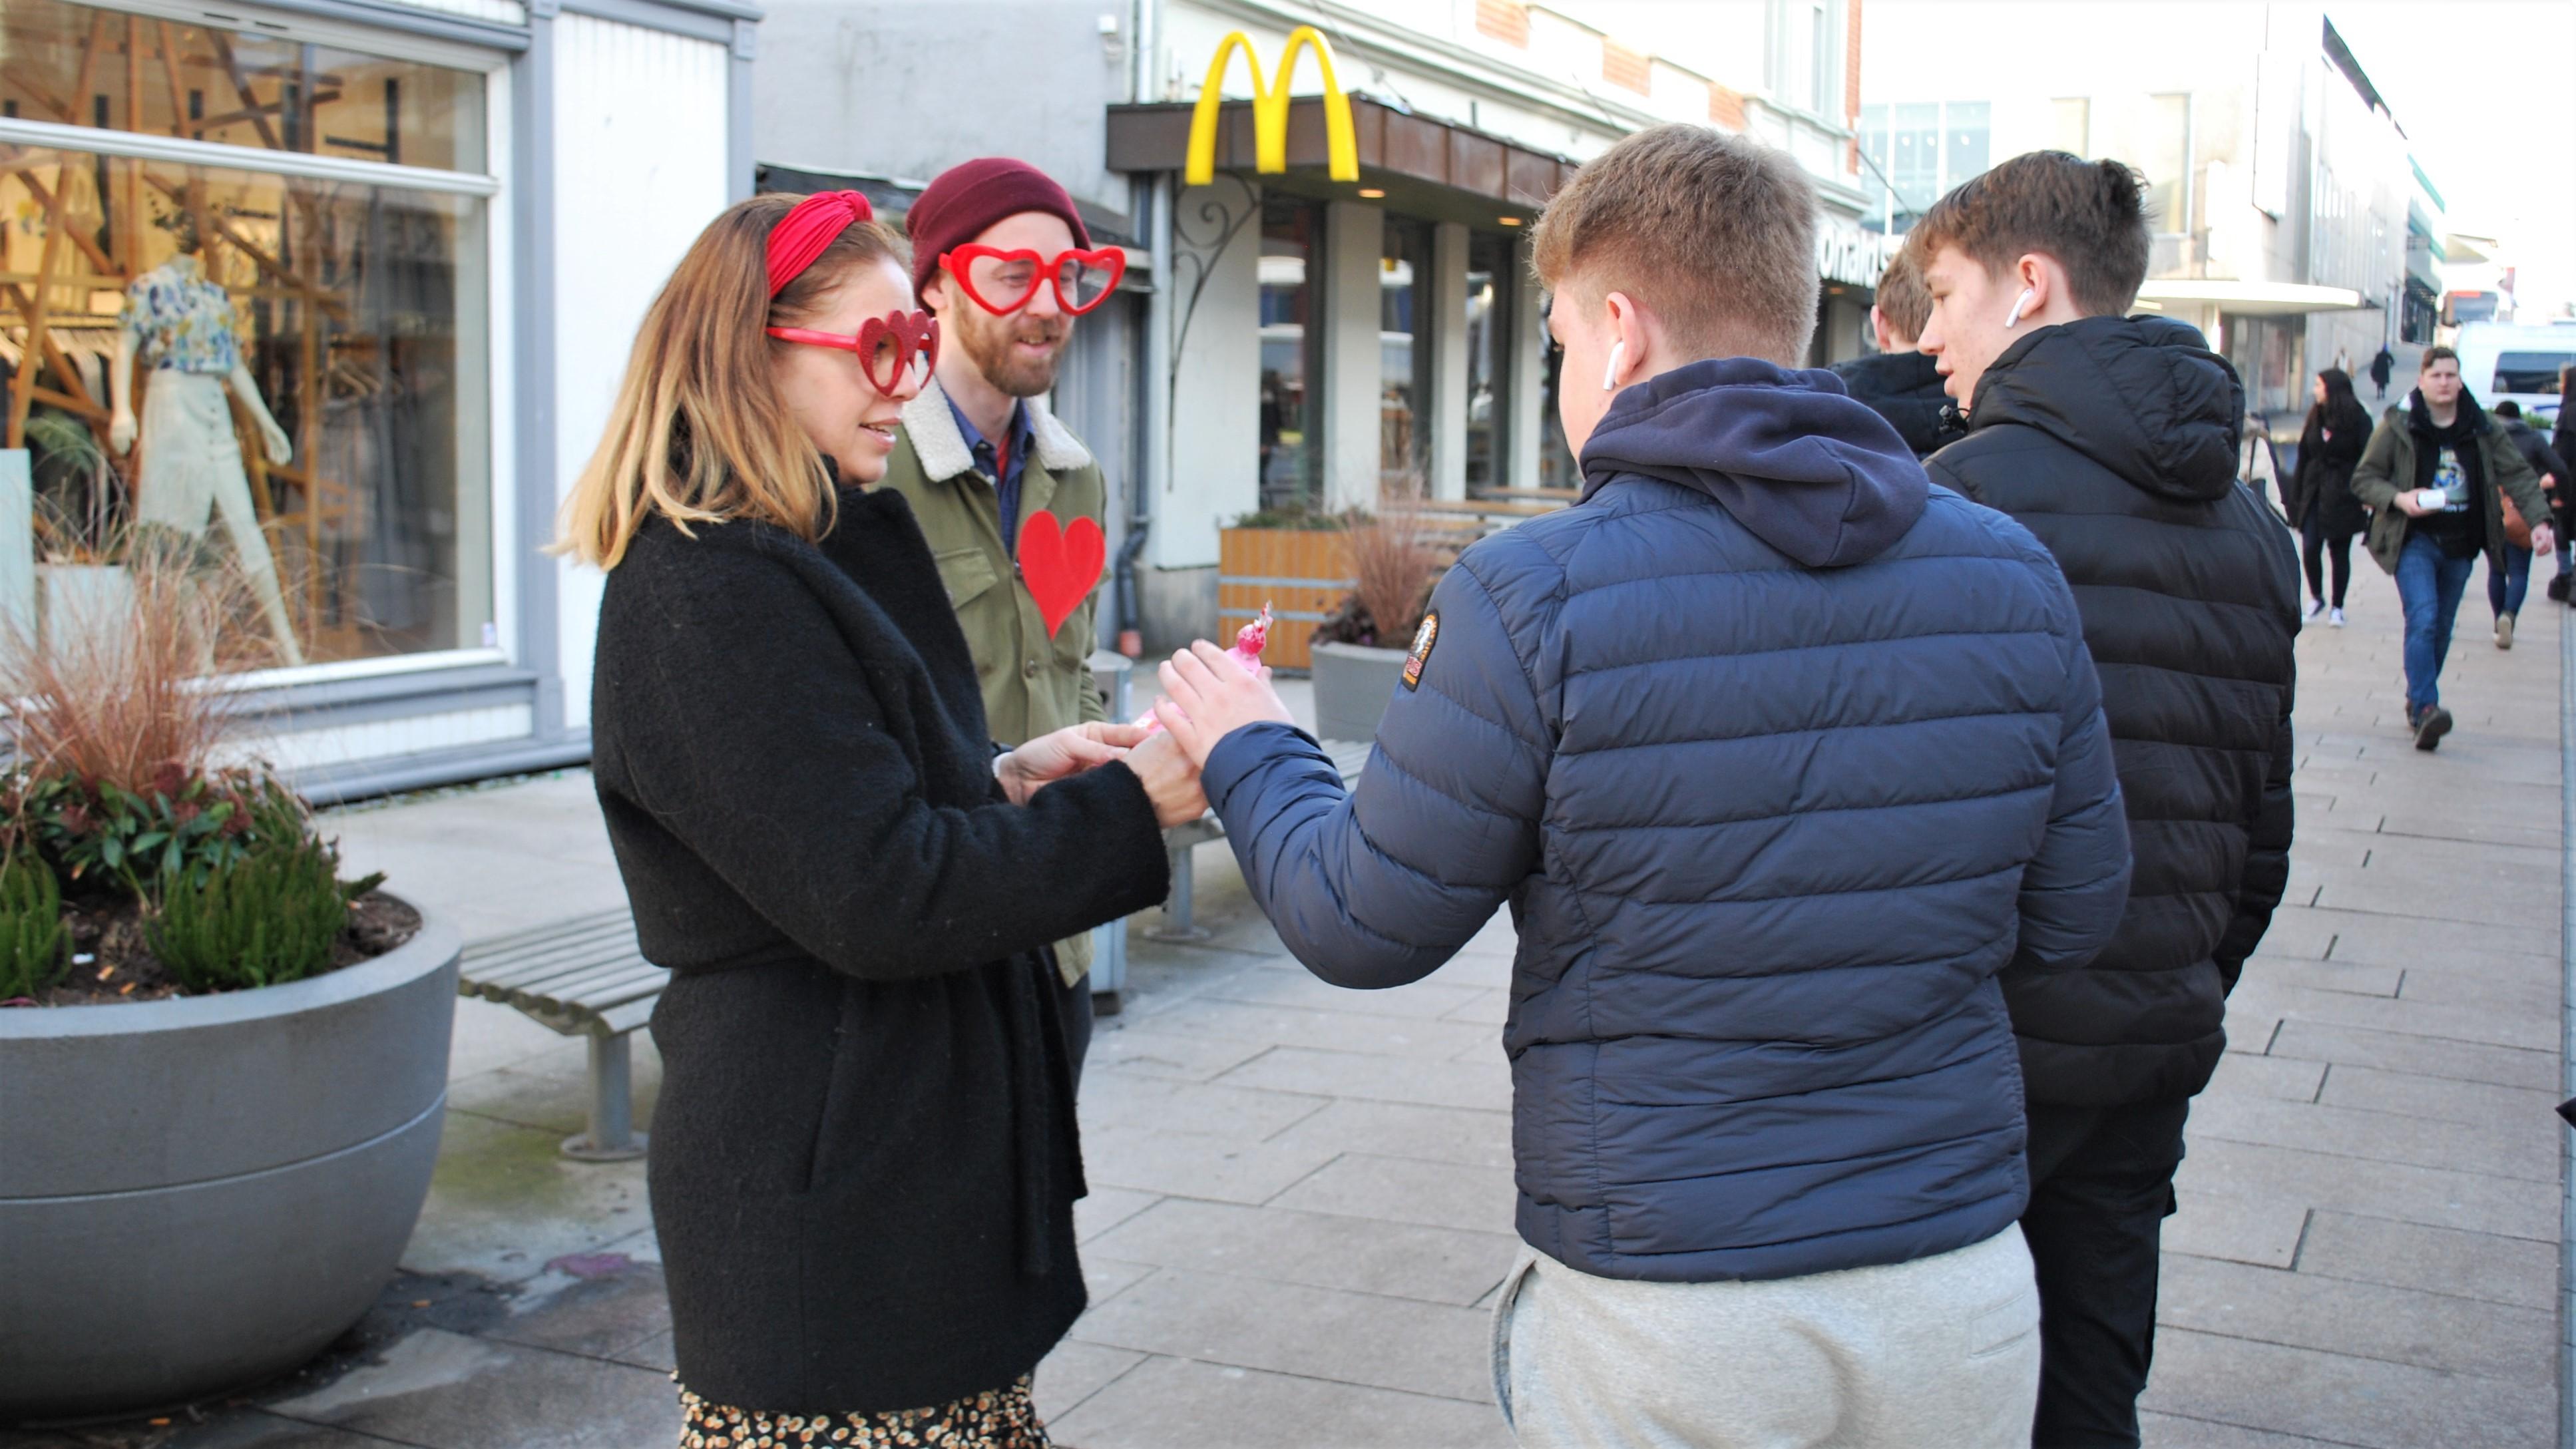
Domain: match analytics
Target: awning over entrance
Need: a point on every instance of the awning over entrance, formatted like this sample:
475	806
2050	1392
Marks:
2252	299
1419	158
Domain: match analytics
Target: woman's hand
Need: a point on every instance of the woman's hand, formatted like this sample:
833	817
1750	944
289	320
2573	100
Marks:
1211	696
1171	780
1070	751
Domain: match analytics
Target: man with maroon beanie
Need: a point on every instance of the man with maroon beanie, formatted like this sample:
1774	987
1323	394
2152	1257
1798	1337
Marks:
1000	255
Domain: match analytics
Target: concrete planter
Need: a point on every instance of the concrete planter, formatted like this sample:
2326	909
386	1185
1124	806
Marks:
200	1193
1353	684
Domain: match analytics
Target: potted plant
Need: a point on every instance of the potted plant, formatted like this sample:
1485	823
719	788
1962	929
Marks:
224	1068
81	585
1288	558
1360	647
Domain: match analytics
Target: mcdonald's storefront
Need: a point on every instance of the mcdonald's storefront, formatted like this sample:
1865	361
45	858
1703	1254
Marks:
1334	338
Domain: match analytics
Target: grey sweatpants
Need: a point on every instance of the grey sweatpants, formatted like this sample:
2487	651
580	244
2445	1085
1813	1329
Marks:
1940	1351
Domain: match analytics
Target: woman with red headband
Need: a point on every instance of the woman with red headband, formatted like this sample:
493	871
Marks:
864	1161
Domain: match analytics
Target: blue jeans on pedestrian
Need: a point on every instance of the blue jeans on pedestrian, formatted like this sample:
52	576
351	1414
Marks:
2505	590
2429	585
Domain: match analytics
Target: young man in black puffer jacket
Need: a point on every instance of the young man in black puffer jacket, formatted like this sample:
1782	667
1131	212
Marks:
1898	382
2114	440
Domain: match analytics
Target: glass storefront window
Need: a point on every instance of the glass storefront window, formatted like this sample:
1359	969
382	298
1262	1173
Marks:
1292	233
285	373
1490	287
1404	356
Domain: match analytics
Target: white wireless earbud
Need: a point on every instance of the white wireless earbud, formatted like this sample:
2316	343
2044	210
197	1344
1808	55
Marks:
2013	318
1610	374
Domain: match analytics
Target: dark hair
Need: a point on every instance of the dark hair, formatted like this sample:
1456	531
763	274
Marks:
2507	409
1715	233
2089	216
2437	354
2341	410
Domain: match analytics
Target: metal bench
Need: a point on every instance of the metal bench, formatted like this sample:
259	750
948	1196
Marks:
583	977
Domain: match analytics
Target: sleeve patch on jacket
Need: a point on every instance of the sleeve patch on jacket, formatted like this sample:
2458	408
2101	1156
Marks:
1420	654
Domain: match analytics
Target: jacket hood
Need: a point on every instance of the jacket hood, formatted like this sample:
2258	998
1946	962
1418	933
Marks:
1809	470
2142	396
1905	389
2469	416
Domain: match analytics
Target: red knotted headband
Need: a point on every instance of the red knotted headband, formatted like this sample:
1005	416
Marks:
808	230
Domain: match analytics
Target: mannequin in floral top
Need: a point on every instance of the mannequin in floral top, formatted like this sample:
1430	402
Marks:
181	324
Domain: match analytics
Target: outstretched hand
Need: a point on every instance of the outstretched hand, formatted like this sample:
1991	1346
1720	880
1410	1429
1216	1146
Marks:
1208	695
1070	751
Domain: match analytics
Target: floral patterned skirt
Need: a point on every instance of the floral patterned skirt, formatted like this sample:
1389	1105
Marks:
1003	1418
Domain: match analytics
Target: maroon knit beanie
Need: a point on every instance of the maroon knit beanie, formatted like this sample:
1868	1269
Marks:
972	195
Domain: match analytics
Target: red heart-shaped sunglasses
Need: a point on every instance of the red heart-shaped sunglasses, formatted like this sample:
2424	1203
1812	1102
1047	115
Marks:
1003	282
889	347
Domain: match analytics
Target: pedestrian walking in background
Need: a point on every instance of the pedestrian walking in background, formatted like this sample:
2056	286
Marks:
864	1161
2318	500
2562	441
2435	478
2382	368
2115	440
2258	463
1897	382
1780	755
1001	258
2505	594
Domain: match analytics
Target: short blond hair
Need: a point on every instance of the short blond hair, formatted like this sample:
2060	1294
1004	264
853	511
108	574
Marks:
1714	234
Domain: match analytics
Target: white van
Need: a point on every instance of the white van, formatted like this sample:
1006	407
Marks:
2500	360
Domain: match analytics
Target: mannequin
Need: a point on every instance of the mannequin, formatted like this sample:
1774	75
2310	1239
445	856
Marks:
180	324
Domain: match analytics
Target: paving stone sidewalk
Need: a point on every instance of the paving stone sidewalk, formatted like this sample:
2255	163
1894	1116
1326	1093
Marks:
1302	1200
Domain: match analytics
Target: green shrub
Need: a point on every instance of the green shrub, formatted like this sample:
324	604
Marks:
32	939
180	827
269	918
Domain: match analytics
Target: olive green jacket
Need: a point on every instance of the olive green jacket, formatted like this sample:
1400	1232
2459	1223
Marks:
1032	684
2387	468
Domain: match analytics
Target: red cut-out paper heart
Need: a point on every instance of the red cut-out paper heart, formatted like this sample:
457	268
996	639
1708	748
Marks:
1060	564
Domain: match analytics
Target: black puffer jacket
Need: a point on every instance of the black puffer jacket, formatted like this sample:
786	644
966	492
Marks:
2114	440
1905	389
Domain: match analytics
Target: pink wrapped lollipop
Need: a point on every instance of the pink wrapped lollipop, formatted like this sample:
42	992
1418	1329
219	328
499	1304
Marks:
1249	641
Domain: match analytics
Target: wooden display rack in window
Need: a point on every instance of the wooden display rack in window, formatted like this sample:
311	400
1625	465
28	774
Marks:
318	508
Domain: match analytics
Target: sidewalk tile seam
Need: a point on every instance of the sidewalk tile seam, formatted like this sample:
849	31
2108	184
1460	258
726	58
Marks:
1104	1385
1280	1373
2465	1375
2256	1429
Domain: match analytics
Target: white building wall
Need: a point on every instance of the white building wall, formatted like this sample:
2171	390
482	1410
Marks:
641	142
1447	295
1216	406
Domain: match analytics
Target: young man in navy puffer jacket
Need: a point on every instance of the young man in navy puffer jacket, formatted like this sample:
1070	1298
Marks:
1780	756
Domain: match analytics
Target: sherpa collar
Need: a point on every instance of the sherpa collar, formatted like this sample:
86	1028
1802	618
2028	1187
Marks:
942	448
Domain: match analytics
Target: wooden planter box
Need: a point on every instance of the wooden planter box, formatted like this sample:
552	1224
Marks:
1301	573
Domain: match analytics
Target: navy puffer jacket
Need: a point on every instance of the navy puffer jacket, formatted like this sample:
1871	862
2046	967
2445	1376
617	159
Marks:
1780	755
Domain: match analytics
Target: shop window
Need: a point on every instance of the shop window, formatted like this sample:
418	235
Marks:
1914	163
283	373
1491	286
1404	356
1292	234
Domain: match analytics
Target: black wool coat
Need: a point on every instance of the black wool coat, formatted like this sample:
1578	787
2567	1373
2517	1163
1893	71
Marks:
864	1159
2324	478
2114	440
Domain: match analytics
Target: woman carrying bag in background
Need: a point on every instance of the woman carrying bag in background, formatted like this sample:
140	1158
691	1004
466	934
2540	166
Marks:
2319	500
864	1160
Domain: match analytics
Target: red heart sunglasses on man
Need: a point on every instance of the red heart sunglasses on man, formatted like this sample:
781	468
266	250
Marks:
1002	282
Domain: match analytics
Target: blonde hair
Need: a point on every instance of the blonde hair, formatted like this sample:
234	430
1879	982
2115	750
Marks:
1715	233
699	433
